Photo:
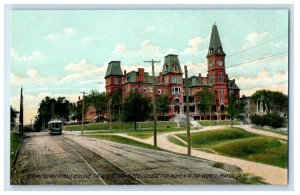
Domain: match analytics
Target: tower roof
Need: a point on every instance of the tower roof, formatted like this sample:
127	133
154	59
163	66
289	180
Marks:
171	64
114	68
215	45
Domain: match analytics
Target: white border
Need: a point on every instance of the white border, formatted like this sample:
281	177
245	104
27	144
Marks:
259	4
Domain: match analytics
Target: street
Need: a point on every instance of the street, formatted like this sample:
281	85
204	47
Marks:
72	159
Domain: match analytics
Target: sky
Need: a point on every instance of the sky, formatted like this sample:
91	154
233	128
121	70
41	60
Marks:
63	52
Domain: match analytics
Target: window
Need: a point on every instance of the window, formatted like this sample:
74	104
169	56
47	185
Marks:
116	81
166	68
221	91
221	100
176	79
145	89
175	67
132	89
220	78
159	91
150	89
167	80
211	79
175	90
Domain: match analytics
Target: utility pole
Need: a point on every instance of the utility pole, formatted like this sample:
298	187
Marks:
154	102
82	120
52	111
31	123
187	110
109	110
21	119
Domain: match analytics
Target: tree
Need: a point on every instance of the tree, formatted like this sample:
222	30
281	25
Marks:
117	104
163	103
75	111
207	99
234	107
13	115
274	101
136	108
99	101
61	108
50	108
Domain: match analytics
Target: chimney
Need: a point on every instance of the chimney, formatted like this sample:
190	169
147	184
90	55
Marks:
140	75
124	72
78	98
233	81
160	77
199	75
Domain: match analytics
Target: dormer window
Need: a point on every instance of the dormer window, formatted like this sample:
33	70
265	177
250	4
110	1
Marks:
167	67
175	67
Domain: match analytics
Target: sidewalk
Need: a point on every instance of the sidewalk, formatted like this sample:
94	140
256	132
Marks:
271	174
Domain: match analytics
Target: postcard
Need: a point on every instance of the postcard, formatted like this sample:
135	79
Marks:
149	97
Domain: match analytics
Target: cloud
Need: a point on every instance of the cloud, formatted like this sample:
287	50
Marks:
89	40
194	45
263	80
82	70
66	32
32	73
70	31
121	48
255	38
147	47
195	69
34	56
33	76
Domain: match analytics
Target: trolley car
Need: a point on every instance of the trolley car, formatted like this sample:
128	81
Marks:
55	127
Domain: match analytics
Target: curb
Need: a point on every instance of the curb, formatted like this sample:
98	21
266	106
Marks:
17	153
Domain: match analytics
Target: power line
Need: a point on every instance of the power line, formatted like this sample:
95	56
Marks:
258	59
244	50
254	46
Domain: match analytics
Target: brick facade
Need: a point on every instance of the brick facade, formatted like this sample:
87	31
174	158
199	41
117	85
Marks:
171	82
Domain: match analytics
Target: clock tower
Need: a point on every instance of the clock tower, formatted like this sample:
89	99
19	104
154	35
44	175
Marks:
217	77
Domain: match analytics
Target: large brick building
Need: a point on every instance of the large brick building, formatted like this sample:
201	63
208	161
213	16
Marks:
170	81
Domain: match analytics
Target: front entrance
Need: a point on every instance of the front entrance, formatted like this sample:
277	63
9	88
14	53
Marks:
176	109
222	108
176	103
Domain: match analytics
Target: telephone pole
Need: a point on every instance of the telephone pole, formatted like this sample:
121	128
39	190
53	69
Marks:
21	119
187	94
154	102
109	110
82	120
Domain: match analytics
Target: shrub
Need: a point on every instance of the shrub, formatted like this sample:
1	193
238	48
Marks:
272	119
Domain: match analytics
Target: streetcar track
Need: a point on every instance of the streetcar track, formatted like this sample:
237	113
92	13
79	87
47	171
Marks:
90	166
110	166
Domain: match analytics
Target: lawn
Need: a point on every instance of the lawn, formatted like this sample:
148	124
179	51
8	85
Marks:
15	141
118	125
269	129
236	142
176	141
220	122
142	134
123	140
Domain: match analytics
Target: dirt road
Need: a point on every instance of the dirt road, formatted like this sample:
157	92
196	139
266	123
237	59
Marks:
72	159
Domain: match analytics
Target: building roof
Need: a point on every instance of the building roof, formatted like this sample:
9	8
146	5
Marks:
232	85
215	45
196	81
171	64
132	77
114	68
